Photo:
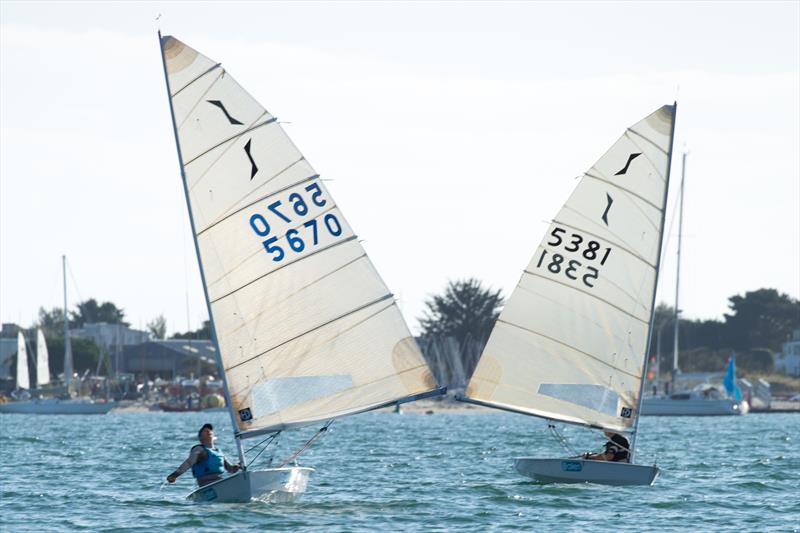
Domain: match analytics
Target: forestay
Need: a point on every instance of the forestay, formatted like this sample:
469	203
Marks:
42	360
23	378
570	343
306	328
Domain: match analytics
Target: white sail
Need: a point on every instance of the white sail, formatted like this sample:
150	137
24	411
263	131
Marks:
42	360
306	328
570	343
23	378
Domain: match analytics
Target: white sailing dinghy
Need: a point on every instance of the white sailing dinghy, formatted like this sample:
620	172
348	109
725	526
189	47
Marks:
570	344
305	329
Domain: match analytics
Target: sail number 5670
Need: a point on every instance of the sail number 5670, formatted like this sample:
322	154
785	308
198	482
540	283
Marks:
297	209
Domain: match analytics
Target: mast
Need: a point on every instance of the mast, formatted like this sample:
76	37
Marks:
655	285
675	369
67	344
218	354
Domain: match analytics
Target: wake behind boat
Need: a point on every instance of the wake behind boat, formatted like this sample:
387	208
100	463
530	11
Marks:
570	344
304	328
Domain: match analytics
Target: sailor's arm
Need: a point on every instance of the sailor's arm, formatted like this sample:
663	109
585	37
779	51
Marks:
195	456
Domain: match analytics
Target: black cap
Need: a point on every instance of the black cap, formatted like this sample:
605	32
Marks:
208	426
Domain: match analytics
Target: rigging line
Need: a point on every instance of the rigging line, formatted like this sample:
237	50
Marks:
646	139
199	100
235	211
270	439
625	190
232	137
298	290
596	358
301	258
307	444
609	241
315	328
561	438
535	274
212	69
196	181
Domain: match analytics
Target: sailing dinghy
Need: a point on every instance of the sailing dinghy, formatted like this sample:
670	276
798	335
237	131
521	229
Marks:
304	328
570	344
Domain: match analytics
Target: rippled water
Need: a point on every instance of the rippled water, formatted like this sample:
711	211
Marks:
409	472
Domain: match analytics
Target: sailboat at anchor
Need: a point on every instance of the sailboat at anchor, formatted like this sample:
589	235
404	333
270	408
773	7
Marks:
570	344
305	330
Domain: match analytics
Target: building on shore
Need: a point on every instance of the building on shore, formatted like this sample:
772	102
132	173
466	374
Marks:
788	361
169	359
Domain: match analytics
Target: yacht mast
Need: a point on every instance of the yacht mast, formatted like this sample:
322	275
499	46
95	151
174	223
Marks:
67	344
675	369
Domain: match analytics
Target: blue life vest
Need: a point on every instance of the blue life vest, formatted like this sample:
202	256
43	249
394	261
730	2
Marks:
214	463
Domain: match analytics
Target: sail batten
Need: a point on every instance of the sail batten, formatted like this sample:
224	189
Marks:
306	329
571	341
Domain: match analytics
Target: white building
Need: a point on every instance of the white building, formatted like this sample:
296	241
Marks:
789	360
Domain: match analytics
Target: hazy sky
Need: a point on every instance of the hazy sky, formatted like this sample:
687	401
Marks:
451	134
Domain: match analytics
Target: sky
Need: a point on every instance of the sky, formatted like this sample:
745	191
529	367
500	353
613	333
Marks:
450	134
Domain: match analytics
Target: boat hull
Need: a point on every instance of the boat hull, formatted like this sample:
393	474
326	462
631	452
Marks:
57	407
692	407
585	471
274	485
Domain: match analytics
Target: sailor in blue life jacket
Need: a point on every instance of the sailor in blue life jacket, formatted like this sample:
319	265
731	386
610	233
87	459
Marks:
206	460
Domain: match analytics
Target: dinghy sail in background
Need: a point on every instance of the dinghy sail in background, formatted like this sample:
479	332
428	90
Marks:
42	360
23	374
305	329
570	344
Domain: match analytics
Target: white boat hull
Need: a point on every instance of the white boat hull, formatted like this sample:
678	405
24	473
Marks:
585	471
274	485
692	407
50	406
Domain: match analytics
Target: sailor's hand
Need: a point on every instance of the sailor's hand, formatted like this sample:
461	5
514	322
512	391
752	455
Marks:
236	467
171	478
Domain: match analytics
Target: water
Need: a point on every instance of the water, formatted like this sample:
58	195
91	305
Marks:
410	472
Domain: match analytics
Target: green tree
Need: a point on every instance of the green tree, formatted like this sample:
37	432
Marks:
761	319
465	310
203	333
91	311
158	327
52	322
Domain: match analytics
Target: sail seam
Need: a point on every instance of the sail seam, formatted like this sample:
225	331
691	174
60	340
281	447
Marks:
648	140
590	221
261	198
624	189
645	155
614	243
215	67
315	328
315	252
589	294
199	100
571	347
306	286
212	164
232	137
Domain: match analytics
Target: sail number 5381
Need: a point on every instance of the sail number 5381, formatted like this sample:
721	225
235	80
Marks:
297	209
573	268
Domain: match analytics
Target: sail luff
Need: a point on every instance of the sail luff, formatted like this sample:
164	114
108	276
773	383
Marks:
212	326
638	411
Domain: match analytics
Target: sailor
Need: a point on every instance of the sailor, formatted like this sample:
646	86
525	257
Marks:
617	449
205	459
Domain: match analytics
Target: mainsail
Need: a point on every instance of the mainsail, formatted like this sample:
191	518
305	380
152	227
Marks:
42	360
570	343
306	329
23	378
